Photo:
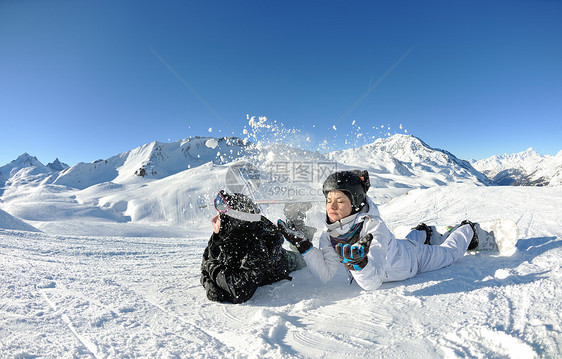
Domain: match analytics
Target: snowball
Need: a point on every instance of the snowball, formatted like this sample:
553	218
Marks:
502	273
212	143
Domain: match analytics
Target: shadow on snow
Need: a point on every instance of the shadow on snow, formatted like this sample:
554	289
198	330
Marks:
480	270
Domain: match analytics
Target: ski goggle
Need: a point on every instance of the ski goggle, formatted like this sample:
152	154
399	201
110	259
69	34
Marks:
222	206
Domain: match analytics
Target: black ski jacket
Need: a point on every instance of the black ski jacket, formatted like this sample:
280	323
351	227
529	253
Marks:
240	258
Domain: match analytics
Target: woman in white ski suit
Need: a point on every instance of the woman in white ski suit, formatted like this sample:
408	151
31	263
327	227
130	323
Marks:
387	258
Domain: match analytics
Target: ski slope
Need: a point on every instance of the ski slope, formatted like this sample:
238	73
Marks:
131	289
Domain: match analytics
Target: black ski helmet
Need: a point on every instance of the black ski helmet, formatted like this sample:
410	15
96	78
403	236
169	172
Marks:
354	184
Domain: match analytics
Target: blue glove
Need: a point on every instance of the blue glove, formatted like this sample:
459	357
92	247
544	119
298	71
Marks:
354	257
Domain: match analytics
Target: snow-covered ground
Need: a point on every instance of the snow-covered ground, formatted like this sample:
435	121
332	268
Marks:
103	259
131	289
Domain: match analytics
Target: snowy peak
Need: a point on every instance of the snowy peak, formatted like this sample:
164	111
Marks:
405	148
529	153
28	161
155	160
528	160
410	149
408	157
159	160
57	166
25	161
527	168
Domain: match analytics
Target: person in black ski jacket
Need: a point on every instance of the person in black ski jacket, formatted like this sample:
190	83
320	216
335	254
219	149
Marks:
244	252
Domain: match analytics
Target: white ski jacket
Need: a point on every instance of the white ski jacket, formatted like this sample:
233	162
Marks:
389	259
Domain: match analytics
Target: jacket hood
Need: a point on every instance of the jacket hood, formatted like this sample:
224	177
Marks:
238	230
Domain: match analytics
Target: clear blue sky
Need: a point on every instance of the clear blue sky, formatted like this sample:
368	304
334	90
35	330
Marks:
83	80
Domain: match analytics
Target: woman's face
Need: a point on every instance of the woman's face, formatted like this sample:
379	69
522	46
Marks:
338	206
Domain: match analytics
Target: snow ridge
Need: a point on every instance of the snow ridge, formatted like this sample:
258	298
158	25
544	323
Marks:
23	161
410	162
155	160
527	168
174	182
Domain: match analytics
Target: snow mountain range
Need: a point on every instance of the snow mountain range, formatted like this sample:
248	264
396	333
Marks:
174	182
399	161
32	166
526	168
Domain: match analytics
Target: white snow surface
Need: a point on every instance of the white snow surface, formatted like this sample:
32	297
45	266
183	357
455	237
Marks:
109	295
8	221
114	272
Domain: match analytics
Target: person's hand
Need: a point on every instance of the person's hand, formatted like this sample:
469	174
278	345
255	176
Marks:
354	257
294	237
216	224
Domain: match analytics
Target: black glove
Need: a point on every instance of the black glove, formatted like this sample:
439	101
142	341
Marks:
294	237
354	257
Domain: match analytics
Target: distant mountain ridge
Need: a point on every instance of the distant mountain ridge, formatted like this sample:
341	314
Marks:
23	161
176	182
401	161
26	167
413	160
154	160
57	165
527	168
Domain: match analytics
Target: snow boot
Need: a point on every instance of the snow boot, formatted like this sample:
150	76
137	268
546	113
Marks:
428	231
474	242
